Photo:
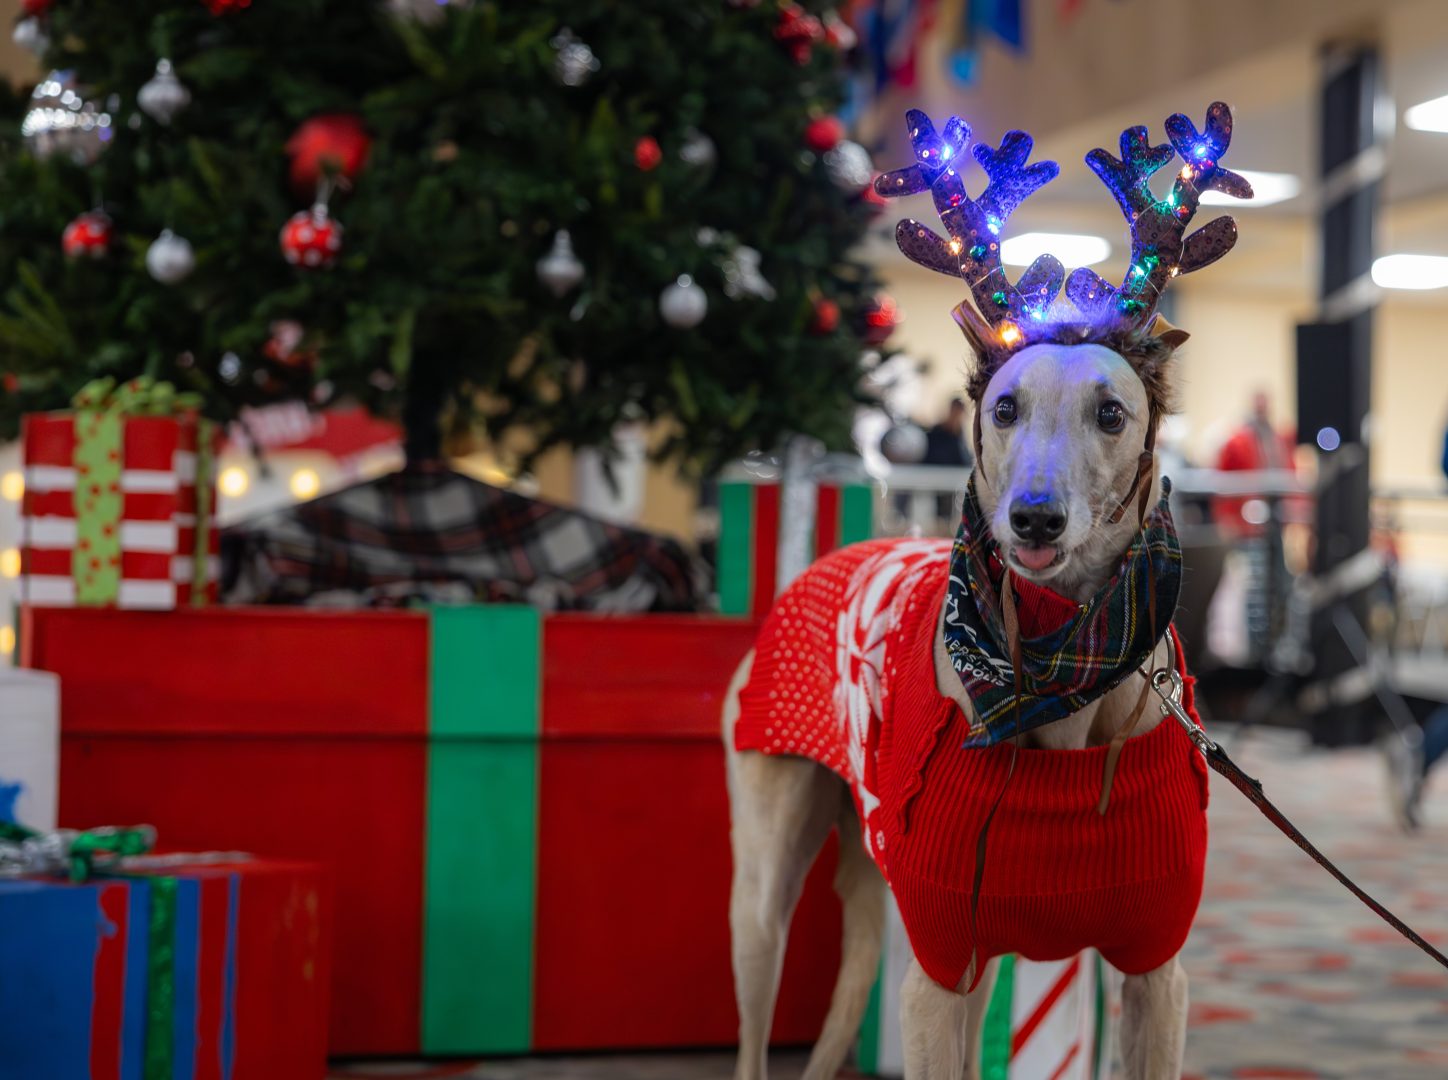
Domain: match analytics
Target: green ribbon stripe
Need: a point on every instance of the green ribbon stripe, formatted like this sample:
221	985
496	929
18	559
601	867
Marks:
102	408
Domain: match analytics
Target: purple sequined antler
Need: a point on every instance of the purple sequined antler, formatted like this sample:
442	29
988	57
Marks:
974	225
1158	250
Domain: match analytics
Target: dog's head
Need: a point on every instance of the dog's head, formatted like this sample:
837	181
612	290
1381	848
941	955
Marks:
1068	386
1062	428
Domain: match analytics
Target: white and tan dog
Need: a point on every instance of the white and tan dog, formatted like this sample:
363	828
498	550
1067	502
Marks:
1067	409
1064	420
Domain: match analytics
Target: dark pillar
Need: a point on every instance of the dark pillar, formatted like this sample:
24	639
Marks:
1334	367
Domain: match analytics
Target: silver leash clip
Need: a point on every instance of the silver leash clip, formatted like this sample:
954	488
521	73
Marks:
1171	705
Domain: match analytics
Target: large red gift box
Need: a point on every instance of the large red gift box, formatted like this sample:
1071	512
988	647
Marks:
192	970
126	524
525	816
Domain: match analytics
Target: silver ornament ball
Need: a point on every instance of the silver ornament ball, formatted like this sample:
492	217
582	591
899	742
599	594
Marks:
849	167
163	95
684	303
169	259
904	443
61	121
576	62
29	34
560	269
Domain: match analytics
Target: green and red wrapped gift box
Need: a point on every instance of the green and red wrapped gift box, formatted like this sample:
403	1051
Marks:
119	500
191	971
749	535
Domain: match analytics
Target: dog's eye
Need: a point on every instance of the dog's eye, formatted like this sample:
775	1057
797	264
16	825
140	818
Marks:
1005	411
1111	416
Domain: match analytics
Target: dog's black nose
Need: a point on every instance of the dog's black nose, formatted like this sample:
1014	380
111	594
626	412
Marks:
1037	520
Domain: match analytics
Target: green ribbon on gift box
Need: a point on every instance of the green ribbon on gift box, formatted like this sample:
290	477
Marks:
102	407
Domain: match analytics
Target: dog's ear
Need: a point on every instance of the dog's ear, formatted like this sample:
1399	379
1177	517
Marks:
1171	336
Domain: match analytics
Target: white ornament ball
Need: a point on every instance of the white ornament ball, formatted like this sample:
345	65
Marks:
29	34
163	95
169	259
904	443
560	269
850	167
698	149
683	304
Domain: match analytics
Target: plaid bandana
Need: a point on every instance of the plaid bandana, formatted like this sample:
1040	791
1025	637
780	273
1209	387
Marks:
1107	638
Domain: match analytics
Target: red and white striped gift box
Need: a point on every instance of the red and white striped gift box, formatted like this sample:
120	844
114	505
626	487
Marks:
158	524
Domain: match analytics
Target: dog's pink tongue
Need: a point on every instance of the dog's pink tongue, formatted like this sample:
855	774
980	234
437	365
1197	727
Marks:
1036	558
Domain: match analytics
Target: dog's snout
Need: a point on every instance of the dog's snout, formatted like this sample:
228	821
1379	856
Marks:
1037	520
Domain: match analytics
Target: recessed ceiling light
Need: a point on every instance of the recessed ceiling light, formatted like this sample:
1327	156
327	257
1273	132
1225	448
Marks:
1411	272
1428	115
1267	188
1073	249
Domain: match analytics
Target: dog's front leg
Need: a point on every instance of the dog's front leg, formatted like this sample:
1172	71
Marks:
939	1027
1154	1023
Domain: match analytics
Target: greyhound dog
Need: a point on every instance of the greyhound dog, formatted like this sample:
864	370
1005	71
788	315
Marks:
1067	409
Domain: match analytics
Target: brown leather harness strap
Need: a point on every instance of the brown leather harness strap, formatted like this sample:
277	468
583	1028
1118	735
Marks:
1113	752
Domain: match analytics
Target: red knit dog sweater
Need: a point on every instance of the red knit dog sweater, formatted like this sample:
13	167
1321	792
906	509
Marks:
844	674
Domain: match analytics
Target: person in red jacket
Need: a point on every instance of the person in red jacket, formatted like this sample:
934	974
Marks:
1257	444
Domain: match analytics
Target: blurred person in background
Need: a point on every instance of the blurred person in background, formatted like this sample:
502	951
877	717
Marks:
1256	445
1409	765
945	444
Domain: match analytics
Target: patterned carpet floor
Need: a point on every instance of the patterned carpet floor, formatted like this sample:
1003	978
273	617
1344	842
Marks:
1291	978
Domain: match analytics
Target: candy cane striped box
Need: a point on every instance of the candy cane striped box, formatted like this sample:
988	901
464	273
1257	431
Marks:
1047	1020
161	506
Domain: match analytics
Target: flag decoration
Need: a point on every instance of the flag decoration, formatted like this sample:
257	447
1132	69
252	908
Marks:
1003	20
1049	1019
749	537
204	970
520	813
119	500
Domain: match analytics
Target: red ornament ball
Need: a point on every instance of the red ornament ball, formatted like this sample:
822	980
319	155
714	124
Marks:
88	236
36	7
333	144
311	238
647	154
797	30
225	7
826	316
881	318
824	134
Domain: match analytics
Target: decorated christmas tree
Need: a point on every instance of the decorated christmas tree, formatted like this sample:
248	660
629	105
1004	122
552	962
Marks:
536	218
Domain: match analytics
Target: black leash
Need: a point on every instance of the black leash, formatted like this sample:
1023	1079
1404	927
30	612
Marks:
1217	758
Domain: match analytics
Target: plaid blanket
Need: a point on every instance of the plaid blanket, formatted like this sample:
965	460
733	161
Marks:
1088	651
433	535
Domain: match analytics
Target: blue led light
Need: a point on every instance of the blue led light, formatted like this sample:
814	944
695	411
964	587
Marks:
1328	439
